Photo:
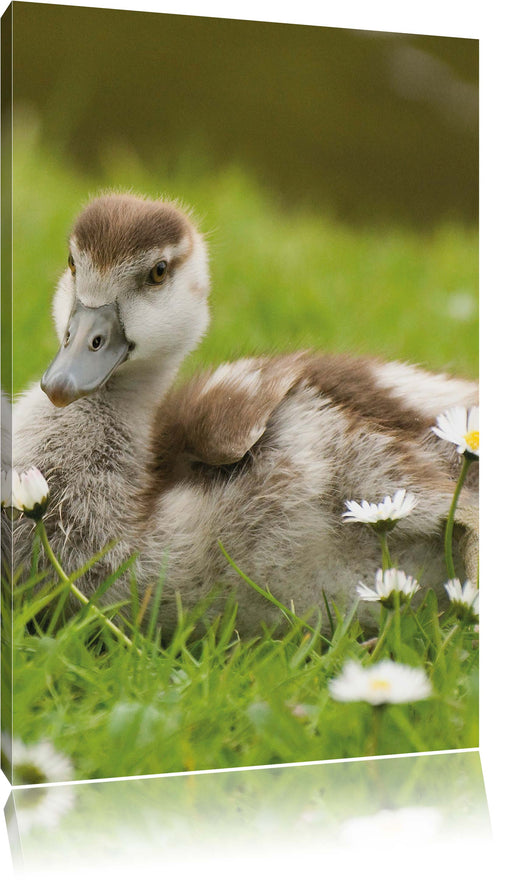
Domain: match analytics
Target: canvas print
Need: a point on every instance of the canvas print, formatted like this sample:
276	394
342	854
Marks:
240	481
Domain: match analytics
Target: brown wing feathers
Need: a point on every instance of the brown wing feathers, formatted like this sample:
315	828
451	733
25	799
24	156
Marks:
216	418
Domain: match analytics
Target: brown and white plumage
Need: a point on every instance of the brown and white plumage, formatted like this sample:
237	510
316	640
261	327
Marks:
260	454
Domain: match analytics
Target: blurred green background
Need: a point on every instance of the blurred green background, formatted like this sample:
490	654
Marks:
334	172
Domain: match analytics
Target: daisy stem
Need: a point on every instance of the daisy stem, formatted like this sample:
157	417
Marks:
41	531
397	629
400	718
386	557
448	551
383	630
373	741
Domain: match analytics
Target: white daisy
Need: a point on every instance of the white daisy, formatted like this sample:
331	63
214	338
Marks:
382	515
465	598
386	681
460	427
10	485
42	807
389	828
37	763
387	584
30	494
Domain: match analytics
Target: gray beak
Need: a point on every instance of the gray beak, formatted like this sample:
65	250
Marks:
94	345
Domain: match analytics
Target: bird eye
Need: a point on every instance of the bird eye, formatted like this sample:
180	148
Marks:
71	264
158	272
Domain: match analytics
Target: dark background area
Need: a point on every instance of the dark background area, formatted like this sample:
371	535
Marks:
371	126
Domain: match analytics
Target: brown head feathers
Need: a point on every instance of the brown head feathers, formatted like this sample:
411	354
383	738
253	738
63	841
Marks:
116	227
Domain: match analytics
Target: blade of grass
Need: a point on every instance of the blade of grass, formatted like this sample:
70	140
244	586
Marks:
78	594
36	606
289	615
141	611
307	646
329	614
30	583
92	561
36	548
58	609
105	585
155	607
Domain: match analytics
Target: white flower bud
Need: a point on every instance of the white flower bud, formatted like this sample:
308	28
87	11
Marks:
10	486
389	583
31	494
465	599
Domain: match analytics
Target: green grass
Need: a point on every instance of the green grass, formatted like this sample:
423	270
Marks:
216	701
280	280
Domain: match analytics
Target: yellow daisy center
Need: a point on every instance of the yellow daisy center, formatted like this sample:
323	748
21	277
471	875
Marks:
379	684
472	440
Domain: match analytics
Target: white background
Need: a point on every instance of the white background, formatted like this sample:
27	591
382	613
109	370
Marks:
489	22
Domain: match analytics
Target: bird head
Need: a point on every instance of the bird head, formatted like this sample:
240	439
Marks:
135	292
